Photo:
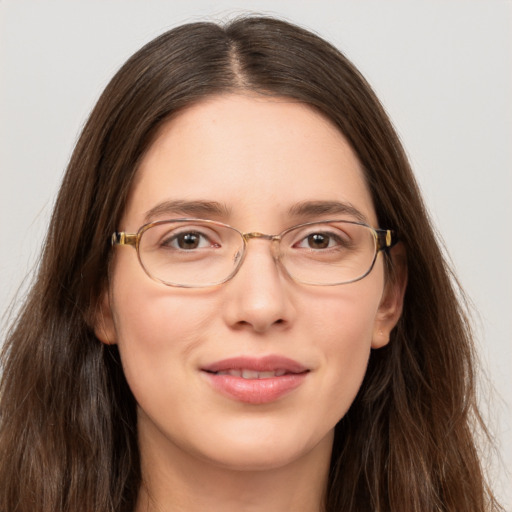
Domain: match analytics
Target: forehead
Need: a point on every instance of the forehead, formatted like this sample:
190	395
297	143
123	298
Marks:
256	156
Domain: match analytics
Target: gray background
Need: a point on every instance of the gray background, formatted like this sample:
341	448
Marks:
443	70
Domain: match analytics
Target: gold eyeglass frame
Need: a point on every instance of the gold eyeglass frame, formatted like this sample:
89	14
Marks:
384	240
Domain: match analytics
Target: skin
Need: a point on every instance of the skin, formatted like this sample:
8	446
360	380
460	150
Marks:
200	449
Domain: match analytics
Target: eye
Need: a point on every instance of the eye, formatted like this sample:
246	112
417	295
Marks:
320	240
188	240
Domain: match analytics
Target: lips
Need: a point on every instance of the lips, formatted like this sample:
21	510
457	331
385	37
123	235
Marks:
245	373
255	380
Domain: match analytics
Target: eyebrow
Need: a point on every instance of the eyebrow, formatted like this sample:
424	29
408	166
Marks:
198	208
209	209
316	208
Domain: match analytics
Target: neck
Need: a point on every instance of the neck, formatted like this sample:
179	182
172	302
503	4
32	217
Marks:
173	479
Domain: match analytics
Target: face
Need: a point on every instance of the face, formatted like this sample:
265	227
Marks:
257	159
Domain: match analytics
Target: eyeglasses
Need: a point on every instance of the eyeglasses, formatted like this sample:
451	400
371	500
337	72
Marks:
196	253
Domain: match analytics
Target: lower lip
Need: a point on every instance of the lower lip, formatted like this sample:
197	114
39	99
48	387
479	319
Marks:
255	391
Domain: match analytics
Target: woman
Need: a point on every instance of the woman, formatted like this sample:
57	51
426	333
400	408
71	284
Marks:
283	333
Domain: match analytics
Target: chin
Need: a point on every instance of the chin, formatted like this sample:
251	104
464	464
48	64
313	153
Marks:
255	458
263	451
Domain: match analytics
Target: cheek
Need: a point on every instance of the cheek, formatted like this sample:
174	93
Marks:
156	331
346	315
148	315
344	326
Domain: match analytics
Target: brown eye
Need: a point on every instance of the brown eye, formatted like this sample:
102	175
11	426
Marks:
188	241
318	241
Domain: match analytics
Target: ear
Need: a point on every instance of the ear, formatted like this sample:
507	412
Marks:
391	304
103	322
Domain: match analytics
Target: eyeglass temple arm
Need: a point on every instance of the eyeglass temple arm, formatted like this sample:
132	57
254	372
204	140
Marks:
122	238
386	238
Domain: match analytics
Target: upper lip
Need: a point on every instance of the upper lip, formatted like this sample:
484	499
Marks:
258	364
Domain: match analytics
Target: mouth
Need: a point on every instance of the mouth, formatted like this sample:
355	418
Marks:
251	374
255	380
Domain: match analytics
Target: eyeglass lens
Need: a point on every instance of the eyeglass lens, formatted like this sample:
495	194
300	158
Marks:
198	253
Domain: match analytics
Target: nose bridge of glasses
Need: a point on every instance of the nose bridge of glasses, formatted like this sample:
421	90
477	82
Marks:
257	234
274	239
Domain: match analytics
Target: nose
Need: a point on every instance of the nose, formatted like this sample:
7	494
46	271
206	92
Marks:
258	296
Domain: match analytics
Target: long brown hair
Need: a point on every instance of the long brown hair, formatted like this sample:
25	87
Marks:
68	432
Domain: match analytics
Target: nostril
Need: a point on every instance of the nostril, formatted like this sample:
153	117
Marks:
259	326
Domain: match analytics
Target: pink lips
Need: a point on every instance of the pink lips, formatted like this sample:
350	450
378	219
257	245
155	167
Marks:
255	380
